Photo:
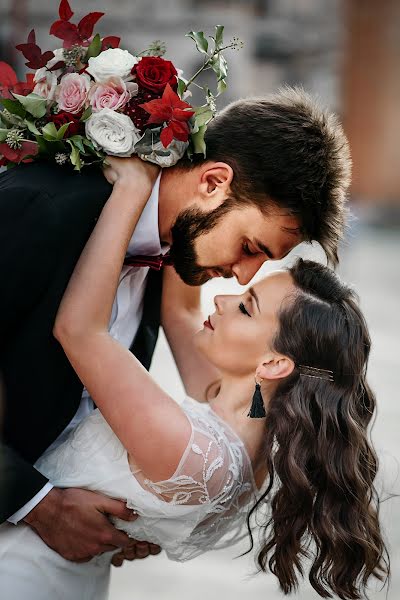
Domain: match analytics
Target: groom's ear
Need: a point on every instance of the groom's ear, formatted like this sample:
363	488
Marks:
214	183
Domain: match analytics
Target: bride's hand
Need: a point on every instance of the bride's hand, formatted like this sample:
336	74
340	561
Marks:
130	171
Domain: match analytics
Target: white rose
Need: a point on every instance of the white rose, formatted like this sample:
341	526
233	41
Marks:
113	62
46	86
112	132
41	74
176	148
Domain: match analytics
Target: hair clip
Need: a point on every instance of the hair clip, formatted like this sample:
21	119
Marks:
315	372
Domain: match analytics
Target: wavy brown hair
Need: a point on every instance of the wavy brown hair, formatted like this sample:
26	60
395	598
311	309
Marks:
320	460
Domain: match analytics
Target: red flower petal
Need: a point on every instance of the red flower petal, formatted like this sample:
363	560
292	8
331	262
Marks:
166	136
32	37
27	149
170	97
66	31
86	25
180	130
158	110
31	52
182	115
110	41
65	11
59	65
8	76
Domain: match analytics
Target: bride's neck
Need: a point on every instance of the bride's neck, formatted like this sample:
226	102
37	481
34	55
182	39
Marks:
234	397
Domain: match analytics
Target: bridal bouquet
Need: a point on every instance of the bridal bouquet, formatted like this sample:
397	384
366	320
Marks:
91	98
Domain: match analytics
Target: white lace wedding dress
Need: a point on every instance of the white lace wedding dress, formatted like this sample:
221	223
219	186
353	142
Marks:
203	506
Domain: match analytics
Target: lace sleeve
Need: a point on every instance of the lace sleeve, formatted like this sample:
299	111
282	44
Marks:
215	479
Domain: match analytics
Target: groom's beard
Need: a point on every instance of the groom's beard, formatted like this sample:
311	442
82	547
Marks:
189	225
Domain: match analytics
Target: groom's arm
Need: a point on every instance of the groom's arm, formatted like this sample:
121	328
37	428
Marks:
181	318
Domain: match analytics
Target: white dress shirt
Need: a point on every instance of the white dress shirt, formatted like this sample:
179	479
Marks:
126	315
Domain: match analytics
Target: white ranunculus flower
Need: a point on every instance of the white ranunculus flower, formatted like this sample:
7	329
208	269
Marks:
176	148
113	62
112	132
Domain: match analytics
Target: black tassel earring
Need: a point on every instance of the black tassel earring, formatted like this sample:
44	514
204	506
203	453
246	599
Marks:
257	410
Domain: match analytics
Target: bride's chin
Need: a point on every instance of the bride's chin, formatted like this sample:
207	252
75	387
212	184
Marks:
200	341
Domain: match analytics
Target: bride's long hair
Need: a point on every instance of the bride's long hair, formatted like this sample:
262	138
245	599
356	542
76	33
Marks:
321	497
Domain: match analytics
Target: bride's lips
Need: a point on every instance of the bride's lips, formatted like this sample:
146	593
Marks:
208	324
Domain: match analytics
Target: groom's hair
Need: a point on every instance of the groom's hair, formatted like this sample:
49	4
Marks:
286	151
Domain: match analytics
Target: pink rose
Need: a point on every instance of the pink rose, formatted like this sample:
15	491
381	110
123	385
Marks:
113	94
73	92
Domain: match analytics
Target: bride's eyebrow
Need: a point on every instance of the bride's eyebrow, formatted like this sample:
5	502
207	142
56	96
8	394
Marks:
254	295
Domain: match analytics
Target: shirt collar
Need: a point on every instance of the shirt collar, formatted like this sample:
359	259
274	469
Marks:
146	237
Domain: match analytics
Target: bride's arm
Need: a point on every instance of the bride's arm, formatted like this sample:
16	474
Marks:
150	425
181	318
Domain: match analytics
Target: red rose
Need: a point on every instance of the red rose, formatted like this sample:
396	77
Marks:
63	117
153	73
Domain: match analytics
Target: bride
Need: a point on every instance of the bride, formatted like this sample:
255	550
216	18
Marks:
297	344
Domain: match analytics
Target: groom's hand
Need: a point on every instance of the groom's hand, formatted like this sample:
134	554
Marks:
74	523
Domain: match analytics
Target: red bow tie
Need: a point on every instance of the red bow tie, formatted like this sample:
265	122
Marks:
154	262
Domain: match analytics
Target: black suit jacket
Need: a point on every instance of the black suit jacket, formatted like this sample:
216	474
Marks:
46	216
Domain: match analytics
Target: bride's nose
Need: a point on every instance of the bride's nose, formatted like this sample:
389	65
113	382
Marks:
219	303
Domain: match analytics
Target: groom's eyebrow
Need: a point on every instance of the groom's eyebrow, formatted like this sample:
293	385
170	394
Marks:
268	252
264	249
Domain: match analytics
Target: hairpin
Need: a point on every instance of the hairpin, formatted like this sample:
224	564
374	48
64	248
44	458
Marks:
315	372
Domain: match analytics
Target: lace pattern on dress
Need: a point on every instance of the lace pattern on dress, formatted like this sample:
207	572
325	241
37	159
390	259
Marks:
216	475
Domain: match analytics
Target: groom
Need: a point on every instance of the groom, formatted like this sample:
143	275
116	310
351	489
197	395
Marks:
276	173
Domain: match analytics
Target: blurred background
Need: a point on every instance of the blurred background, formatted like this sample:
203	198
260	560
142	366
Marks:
348	53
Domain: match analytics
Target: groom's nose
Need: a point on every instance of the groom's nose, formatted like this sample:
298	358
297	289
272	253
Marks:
246	268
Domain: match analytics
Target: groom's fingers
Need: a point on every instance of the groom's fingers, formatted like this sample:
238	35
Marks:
117	508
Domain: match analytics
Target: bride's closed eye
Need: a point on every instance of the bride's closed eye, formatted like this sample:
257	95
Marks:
243	309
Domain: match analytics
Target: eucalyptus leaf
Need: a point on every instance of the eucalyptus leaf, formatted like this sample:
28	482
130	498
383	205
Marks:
221	86
219	35
61	132
199	145
49	132
199	39
77	140
32	127
33	104
181	87
203	115
14	107
95	47
86	114
75	156
3	134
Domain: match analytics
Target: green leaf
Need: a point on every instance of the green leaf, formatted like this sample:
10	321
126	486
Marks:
50	146
14	107
199	145
75	156
33	104
94	48
77	140
221	86
49	132
3	134
204	114
219	35
181	87
32	127
62	130
220	68
199	39
86	114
